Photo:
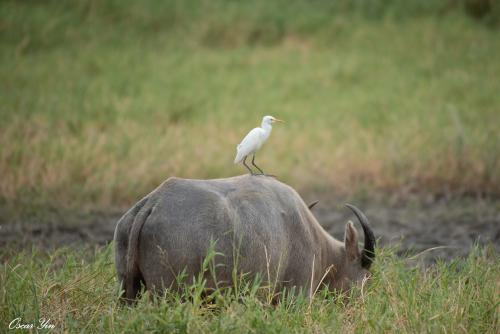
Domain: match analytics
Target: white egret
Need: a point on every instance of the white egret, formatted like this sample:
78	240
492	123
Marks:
253	142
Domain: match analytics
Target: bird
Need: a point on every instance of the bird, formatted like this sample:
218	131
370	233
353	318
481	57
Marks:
253	142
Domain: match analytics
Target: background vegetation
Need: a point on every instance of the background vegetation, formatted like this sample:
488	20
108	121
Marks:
100	101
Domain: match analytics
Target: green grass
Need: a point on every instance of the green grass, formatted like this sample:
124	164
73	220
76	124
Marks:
79	293
101	101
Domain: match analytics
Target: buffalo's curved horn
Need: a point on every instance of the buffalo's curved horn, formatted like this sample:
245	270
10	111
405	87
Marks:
312	205
368	254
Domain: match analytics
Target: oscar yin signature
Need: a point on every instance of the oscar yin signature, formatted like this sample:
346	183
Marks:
43	323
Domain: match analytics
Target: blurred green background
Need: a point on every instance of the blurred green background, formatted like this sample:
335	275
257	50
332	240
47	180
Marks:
100	101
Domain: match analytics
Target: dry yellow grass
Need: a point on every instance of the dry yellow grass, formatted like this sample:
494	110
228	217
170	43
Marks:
114	165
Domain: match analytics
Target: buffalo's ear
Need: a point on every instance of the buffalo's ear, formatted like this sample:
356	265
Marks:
351	242
312	205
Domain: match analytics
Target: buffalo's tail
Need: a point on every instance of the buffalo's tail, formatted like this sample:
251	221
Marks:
133	276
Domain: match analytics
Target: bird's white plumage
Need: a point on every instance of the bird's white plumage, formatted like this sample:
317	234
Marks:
250	144
254	139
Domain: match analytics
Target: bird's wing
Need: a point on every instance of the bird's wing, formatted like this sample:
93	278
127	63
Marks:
251	139
248	145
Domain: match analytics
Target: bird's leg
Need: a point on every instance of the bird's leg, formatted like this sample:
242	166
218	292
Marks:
253	163
244	160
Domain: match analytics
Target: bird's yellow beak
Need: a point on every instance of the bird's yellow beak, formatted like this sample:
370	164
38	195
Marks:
279	120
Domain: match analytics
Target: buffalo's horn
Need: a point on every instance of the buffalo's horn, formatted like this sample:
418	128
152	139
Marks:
312	205
368	254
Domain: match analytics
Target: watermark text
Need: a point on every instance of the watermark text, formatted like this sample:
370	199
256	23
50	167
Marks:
42	323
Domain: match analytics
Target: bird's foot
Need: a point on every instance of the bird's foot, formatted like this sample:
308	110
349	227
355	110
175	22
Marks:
264	174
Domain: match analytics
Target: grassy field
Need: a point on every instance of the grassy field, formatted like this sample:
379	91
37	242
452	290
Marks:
79	294
100	101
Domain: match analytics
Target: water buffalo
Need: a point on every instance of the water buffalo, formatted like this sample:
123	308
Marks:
261	225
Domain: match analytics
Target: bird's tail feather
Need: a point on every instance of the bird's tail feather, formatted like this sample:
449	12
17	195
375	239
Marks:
239	157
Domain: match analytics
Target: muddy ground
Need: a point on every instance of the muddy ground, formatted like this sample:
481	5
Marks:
413	225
